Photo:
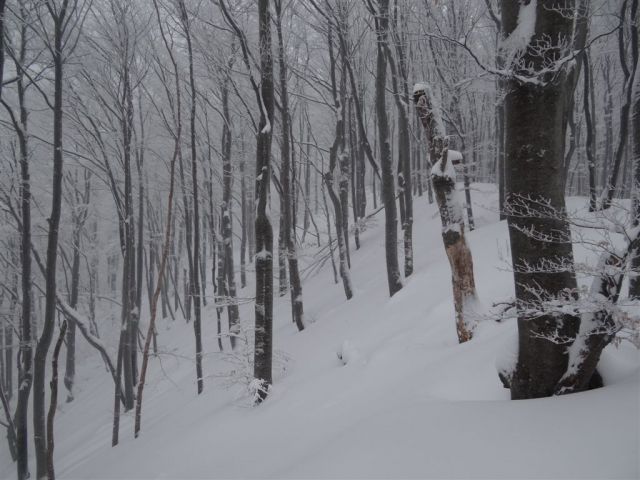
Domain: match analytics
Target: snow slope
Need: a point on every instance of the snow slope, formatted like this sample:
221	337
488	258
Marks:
405	401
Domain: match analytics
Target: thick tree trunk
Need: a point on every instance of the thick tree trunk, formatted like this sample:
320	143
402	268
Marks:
541	361
443	178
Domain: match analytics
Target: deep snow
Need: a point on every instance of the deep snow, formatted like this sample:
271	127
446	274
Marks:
405	400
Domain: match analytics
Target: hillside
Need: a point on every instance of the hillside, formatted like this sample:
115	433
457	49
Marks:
405	401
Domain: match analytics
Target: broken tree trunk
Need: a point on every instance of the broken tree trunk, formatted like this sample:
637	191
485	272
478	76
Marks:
443	178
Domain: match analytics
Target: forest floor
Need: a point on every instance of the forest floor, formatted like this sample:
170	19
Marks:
405	401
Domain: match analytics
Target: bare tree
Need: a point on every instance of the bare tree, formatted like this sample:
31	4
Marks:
25	358
264	92
66	17
629	68
381	17
295	284
337	155
194	277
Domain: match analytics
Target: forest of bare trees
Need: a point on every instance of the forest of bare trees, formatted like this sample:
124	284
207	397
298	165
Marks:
160	157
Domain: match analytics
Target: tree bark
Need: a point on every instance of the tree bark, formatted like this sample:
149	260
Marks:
394	280
295	284
443	178
591	132
634	278
39	431
227	276
541	361
263	231
194	267
54	402
629	80
25	357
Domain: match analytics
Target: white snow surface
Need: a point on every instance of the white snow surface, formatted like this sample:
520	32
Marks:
521	36
454	155
410	402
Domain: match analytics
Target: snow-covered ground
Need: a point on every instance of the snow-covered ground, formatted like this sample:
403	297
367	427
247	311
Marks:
405	401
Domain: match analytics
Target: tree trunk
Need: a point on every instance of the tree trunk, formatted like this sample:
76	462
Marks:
338	156
443	178
629	80
25	354
244	221
634	279
54	402
228	275
42	347
541	362
401	95
157	289
388	190
263	230
591	132
79	216
11	428
342	251
295	284
194	266
329	238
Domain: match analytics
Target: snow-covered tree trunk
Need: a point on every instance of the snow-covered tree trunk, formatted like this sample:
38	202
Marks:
443	178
